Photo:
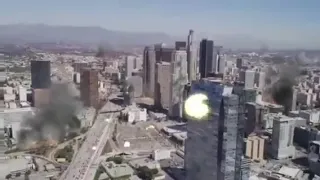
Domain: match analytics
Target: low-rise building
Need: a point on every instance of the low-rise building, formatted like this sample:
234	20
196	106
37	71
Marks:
116	171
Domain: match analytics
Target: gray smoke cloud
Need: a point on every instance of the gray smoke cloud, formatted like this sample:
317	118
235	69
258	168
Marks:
53	120
282	90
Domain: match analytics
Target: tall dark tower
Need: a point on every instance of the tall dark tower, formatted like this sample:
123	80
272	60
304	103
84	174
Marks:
40	82
206	57
89	92
40	74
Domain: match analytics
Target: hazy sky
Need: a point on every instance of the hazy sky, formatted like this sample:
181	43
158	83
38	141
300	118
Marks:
286	21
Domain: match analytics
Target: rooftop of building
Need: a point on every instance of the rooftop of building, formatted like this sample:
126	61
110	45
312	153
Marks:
117	170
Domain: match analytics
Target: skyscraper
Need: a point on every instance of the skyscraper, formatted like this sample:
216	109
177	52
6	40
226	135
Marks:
89	87
130	65
149	71
206	58
239	63
179	78
40	82
191	58
211	147
40	74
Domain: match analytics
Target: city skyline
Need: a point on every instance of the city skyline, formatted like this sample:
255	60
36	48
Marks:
279	24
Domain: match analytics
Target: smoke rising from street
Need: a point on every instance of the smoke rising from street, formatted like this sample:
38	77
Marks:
282	90
52	121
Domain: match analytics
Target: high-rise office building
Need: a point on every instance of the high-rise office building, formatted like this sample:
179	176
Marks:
40	74
162	97
239	63
77	66
282	137
206	58
129	65
179	78
244	95
89	92
249	79
221	64
181	45
216	136
191	58
149	71
218	62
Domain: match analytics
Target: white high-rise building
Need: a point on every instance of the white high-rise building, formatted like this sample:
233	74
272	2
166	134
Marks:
179	79
249	79
130	63
22	94
282	137
261	83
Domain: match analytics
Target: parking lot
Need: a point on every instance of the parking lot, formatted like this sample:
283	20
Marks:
141	136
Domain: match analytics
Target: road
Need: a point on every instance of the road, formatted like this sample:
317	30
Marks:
88	155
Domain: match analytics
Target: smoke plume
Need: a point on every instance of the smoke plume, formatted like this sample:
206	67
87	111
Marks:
282	90
53	120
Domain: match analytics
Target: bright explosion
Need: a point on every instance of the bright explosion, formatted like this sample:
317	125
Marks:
195	106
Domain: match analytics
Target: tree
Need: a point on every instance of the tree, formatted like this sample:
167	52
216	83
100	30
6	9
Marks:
18	174
8	176
146	174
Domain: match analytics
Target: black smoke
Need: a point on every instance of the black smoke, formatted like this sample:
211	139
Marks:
282	89
53	120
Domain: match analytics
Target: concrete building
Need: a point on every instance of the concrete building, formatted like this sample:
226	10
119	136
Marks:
218	158
22	94
191	58
261	80
130	65
76	77
77	66
249	79
180	45
163	86
40	97
136	114
294	99
89	92
161	154
255	148
239	63
282	137
179	78
149	71
314	157
312	116
255	114
40	74
117	171
137	83
221	64
13	118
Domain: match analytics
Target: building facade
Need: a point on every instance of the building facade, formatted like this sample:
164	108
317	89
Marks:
89	88
40	74
215	136
206	58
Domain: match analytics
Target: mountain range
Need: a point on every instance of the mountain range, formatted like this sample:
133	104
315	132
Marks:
42	33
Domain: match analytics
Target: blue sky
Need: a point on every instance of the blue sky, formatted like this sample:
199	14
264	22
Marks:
291	21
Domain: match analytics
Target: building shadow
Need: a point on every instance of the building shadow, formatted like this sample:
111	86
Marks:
302	161
117	101
175	173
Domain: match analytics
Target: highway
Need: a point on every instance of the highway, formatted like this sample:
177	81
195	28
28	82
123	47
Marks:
90	149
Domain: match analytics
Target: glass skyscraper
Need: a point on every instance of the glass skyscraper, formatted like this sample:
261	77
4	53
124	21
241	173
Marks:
212	146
